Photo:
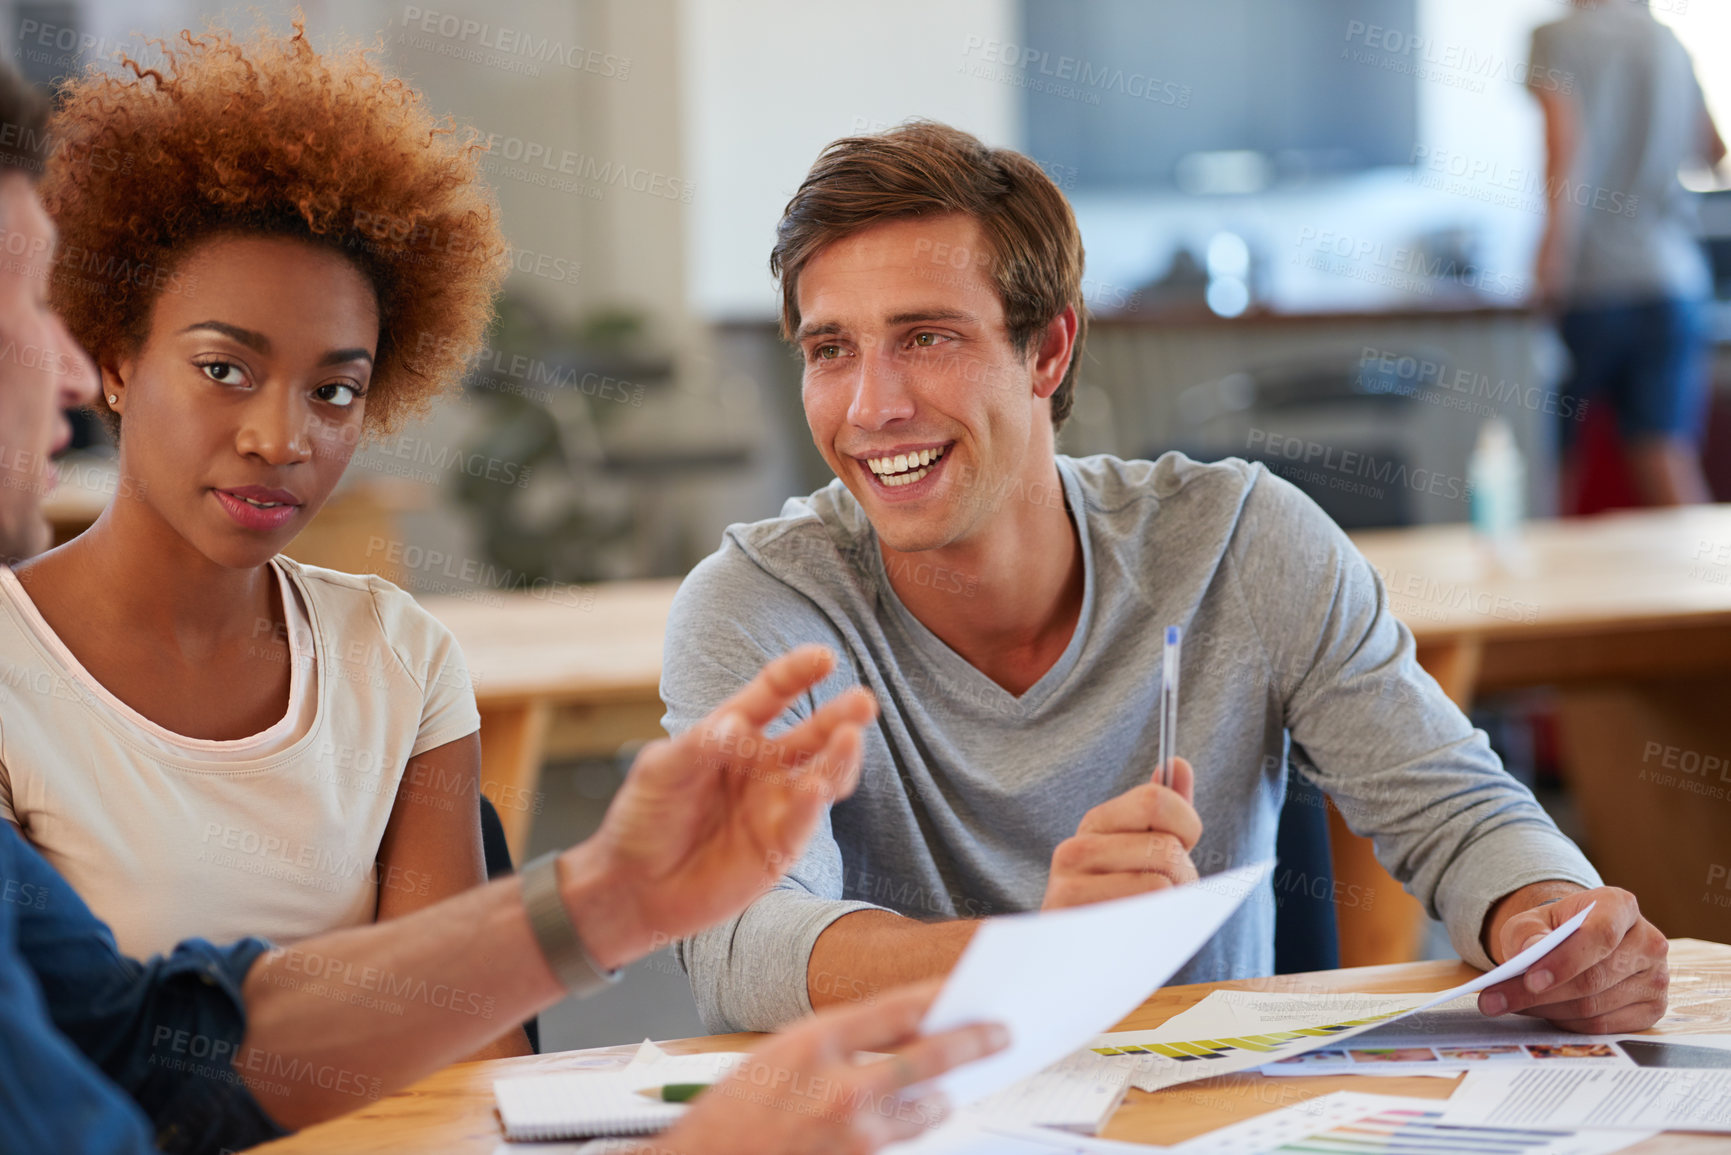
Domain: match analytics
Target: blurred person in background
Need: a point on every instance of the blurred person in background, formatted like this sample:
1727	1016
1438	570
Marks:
1618	258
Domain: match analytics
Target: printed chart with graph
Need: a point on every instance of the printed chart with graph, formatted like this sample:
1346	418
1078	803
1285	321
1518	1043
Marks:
1361	1124
1271	1047
1222	1034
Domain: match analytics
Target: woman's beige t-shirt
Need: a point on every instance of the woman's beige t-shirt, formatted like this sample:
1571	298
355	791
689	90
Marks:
275	835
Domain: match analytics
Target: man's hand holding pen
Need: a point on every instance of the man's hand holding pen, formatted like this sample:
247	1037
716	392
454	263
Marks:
1137	842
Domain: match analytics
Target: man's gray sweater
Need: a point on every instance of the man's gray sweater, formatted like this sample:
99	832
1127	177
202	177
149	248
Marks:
1290	657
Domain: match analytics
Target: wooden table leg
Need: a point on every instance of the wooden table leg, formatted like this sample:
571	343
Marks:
1648	765
1455	666
1390	928
513	739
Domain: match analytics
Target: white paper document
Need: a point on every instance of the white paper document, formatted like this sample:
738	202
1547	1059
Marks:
1056	979
653	1067
1239	1014
972	1132
1166	1060
1350	1121
1450	1040
1076	1094
579	1147
1645	1098
1398	1052
969	1135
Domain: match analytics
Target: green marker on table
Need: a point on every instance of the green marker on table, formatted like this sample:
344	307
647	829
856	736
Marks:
675	1092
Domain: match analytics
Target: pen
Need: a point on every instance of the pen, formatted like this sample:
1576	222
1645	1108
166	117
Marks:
1168	707
675	1092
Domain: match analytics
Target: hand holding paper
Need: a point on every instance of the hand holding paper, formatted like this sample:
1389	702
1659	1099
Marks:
1610	977
804	1091
1170	1056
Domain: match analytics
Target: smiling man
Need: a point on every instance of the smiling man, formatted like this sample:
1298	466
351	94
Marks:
1006	605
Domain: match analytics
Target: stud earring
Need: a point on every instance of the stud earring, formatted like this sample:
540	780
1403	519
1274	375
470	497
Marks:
112	398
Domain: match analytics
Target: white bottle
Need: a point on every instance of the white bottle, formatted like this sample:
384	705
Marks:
1497	478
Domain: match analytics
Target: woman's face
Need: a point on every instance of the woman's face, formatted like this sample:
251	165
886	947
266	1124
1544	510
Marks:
243	406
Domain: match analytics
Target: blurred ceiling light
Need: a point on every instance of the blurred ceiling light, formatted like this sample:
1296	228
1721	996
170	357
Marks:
1228	264
1228	296
1228	256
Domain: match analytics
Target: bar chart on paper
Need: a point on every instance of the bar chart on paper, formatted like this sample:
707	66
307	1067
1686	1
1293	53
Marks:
1213	1038
1359	1124
1273	1045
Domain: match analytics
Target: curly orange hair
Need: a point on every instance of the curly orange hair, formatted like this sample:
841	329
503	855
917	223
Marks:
269	137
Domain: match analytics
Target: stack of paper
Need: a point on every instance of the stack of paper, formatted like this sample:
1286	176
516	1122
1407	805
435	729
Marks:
1058	978
1076	1094
1055	979
1178	1052
970	1134
1385	1125
1455	1039
1661	1099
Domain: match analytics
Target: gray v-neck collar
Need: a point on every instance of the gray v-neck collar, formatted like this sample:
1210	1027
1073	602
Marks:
976	686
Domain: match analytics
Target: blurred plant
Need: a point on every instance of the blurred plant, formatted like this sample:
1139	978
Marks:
567	521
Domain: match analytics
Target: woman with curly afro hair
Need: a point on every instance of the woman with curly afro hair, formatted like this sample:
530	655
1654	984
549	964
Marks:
269	253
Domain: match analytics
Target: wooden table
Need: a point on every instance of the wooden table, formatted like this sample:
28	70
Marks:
588	657
1622	595
1630	615
452	1111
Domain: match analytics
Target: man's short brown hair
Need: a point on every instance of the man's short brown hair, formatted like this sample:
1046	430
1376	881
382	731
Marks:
928	169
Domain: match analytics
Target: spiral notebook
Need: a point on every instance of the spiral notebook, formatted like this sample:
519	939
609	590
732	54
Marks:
581	1104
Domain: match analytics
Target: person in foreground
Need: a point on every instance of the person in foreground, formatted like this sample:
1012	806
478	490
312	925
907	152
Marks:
212	1047
225	1047
1006	605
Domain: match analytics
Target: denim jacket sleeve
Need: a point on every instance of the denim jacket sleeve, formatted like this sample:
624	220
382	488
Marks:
51	1097
166	1031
